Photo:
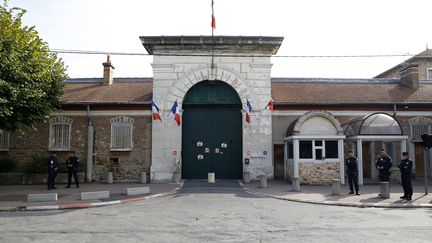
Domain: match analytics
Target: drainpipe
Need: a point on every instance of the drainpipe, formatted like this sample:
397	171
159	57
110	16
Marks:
394	110
89	146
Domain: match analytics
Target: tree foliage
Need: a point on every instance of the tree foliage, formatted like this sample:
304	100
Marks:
31	78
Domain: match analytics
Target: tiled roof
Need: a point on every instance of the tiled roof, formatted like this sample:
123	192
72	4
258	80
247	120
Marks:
351	91
284	91
122	91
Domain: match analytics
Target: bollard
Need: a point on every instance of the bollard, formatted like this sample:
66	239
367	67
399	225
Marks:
385	189
246	177
296	184
336	187
263	181
143	178
109	178
211	177
176	177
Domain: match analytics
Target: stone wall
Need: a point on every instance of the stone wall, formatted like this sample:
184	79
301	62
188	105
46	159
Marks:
318	173
126	166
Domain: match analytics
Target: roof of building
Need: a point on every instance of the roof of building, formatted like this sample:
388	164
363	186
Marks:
284	91
426	54
122	91
347	91
175	45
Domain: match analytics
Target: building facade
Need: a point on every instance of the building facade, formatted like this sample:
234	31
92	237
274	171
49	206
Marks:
108	121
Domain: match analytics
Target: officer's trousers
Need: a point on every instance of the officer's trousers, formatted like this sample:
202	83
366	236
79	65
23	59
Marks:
406	184
353	181
73	172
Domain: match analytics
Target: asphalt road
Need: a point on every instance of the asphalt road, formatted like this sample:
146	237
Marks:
222	213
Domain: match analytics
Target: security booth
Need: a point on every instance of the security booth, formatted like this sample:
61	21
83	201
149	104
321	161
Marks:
314	149
367	135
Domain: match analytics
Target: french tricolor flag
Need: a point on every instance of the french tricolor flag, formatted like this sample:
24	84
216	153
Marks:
249	110
176	111
155	112
213	21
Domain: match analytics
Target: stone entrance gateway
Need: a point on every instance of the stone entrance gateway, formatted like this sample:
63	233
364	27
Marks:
242	63
212	133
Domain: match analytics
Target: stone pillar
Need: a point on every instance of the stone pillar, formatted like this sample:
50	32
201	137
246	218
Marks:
296	184
403	147
89	169
385	189
336	187
211	177
109	178
246	177
263	181
360	160
296	148
285	159
341	161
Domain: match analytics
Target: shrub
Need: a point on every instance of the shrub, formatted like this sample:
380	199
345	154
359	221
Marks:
37	165
7	165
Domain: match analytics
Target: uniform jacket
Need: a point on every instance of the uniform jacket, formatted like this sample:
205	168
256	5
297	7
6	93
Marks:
72	162
405	166
385	161
352	164
52	164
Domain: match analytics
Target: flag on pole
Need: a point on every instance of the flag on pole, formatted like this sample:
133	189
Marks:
249	110
155	112
270	105
176	111
213	21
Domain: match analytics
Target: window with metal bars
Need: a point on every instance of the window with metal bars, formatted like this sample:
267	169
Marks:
419	129
121	133
60	133
4	140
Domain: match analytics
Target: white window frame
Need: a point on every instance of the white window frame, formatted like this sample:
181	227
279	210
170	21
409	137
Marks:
323	152
4	140
429	71
66	142
126	123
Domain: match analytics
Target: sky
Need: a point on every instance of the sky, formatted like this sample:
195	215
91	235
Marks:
309	27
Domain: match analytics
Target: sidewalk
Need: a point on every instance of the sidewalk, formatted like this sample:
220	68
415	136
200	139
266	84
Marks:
14	197
322	195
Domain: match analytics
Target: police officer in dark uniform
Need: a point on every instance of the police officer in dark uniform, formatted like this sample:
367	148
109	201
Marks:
72	164
52	164
352	171
405	167
384	165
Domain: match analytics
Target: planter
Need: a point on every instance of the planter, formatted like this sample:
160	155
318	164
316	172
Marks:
34	179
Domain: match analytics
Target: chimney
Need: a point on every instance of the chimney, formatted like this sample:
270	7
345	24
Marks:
409	76
108	72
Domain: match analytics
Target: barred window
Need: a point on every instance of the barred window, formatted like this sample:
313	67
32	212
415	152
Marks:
4	140
60	133
419	129
429	73
121	133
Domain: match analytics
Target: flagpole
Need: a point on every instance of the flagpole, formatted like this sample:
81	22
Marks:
212	39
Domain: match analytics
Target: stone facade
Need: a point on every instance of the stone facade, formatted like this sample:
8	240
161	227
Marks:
125	165
175	74
318	173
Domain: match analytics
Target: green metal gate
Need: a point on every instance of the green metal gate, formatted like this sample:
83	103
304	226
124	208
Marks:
212	132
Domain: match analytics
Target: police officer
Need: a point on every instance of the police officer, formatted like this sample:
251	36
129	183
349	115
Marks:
384	164
405	167
52	165
352	170
72	164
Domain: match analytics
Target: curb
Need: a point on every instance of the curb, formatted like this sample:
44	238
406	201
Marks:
343	204
91	205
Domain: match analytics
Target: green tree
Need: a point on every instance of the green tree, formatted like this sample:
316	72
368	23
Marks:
31	77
